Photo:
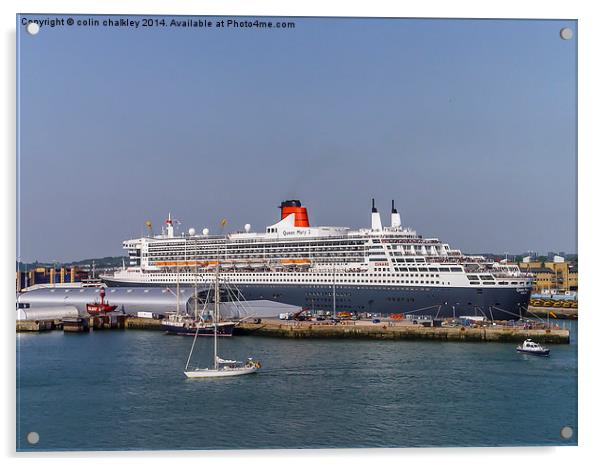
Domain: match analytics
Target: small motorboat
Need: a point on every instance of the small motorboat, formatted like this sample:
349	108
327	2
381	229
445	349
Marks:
530	347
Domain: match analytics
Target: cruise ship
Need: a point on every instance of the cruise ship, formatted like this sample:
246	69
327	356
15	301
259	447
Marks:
381	269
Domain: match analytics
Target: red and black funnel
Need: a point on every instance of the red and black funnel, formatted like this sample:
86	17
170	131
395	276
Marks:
294	207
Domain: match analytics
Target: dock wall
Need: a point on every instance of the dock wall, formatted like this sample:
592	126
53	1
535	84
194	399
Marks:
405	332
309	330
139	323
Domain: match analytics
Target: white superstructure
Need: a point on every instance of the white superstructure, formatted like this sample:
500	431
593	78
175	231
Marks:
292	253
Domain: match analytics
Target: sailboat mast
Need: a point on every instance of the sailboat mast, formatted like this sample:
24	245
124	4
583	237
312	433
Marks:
196	296
215	315
334	294
177	290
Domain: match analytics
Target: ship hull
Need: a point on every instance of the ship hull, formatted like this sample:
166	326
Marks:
222	330
503	303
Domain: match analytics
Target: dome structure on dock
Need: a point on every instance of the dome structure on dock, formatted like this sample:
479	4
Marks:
158	300
127	300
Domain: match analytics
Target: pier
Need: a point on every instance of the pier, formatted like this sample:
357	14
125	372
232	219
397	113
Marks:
386	330
34	325
74	324
553	312
395	331
140	323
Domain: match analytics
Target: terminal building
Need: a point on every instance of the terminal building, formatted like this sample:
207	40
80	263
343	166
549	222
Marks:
555	274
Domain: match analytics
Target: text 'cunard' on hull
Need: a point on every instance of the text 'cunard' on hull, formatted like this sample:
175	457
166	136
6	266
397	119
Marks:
381	269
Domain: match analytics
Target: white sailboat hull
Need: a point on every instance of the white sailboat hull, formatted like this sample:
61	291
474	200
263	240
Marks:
214	373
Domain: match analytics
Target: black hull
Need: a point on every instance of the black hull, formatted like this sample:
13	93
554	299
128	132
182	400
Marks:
437	302
534	353
222	331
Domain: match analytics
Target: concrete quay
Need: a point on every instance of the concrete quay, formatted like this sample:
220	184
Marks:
87	323
402	331
140	323
73	324
552	312
366	330
34	325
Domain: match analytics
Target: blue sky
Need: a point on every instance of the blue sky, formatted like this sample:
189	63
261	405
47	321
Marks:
470	125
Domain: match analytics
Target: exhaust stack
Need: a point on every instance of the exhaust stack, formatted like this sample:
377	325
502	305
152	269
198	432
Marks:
294	207
395	217
376	223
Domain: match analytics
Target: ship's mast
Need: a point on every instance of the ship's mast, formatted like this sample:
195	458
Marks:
169	223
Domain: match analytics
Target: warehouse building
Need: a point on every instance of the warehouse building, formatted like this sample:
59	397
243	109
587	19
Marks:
156	300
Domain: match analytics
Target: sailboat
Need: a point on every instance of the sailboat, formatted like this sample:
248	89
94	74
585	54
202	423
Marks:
184	324
221	367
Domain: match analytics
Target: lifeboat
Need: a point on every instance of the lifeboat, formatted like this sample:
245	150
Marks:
295	262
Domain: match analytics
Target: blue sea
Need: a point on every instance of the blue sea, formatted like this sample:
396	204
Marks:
125	390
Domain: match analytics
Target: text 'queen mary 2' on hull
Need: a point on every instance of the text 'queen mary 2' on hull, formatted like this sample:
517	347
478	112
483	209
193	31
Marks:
378	269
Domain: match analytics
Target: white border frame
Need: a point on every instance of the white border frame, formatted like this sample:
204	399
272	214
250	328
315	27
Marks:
590	77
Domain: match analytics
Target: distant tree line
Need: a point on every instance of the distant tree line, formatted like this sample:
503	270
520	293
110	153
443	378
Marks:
99	263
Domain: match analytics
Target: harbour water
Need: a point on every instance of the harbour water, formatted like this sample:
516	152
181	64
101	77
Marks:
122	390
